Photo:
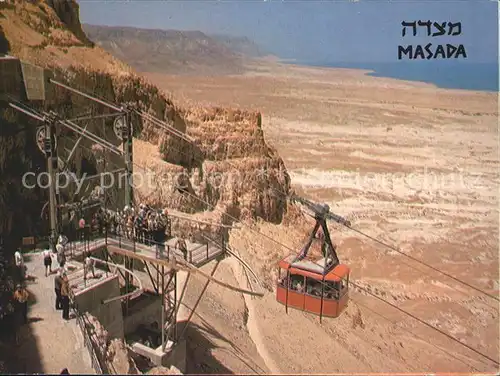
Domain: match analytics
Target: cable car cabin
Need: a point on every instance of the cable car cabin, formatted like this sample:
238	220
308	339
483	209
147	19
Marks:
319	287
302	285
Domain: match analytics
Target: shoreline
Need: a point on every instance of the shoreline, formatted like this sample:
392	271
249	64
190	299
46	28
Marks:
373	72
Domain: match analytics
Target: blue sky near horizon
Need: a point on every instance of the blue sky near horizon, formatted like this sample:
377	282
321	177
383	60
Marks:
364	31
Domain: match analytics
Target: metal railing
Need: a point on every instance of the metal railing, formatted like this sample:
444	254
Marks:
200	251
128	239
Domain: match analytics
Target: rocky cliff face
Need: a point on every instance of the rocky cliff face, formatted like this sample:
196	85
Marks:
229	166
68	12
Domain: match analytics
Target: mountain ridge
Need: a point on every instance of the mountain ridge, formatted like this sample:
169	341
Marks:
175	51
241	44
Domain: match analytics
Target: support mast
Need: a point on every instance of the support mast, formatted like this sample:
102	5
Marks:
52	166
128	156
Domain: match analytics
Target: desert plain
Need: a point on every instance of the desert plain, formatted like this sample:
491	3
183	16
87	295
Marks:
411	165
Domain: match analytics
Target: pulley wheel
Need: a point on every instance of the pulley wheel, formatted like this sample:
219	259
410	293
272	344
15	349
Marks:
40	138
118	127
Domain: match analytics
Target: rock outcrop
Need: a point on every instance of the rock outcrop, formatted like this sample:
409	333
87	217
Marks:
230	166
164	371
113	353
68	12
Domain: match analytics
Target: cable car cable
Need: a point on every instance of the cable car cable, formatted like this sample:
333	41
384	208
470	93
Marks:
429	274
395	249
359	287
390	247
400	252
427	324
449	336
426	340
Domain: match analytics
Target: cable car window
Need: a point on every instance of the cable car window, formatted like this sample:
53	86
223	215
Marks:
313	287
282	277
331	290
297	282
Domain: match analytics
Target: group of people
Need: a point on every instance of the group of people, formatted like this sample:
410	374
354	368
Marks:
61	281
61	288
330	290
144	224
21	294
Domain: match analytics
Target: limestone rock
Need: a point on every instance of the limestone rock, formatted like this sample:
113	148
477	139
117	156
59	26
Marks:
118	356
164	371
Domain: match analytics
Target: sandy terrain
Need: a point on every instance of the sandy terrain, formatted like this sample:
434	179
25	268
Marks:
410	164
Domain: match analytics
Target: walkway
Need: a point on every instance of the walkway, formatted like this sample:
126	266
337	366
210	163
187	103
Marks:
198	254
48	343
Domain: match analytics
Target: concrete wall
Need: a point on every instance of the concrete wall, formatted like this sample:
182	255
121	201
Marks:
144	311
109	315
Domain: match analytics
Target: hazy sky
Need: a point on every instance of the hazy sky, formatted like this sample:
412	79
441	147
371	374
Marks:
311	30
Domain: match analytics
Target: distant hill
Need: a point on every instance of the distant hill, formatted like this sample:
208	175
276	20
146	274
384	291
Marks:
241	45
174	51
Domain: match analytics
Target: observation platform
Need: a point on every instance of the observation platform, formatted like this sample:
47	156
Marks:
198	254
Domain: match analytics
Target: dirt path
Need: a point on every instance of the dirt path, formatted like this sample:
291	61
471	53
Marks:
48	343
252	323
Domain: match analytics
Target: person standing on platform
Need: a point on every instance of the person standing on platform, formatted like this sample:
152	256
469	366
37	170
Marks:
57	289
47	261
61	255
65	296
81	229
21	268
181	245
88	266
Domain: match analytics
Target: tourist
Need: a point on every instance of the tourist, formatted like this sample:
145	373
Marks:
65	296
61	255
47	261
21	299
88	266
181	245
81	228
57	289
63	240
21	268
64	372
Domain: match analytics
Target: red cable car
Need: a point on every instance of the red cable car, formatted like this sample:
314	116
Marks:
317	286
